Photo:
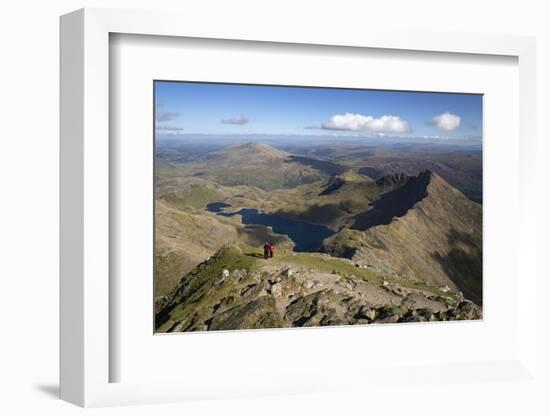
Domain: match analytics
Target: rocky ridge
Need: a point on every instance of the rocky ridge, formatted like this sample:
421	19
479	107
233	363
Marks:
238	290
425	230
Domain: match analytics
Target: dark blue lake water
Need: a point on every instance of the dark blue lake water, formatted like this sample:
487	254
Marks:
306	236
217	207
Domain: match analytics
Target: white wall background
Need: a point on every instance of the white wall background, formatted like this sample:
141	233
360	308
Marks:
29	56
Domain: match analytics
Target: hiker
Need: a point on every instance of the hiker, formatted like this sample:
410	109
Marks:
271	249
266	250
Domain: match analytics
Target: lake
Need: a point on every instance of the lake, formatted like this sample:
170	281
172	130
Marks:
217	207
306	236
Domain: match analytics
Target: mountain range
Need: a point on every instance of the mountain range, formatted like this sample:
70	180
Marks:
402	247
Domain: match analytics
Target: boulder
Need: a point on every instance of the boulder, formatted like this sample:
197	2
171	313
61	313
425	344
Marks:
277	290
238	274
259	313
288	272
388	314
371	314
469	310
366	312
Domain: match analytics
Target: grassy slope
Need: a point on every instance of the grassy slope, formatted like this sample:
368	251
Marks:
201	285
183	239
195	195
185	236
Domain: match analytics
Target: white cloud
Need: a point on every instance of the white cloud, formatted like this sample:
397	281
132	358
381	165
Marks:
169	131
238	120
359	122
446	121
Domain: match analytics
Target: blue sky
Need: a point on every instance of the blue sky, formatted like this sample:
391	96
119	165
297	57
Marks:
201	108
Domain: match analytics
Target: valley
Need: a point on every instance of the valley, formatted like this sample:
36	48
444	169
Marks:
364	233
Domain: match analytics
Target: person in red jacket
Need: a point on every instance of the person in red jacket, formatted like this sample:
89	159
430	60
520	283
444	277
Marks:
271	249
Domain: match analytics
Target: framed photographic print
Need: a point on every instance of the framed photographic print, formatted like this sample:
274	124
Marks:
315	206
265	212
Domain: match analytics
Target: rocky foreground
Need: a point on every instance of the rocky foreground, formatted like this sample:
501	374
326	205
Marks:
237	289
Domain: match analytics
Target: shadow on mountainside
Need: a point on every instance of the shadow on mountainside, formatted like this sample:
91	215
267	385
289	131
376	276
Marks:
395	203
371	172
256	255
322	214
463	264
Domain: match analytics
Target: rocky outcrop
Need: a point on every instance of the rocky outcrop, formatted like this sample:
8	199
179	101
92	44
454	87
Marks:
333	185
238	290
393	180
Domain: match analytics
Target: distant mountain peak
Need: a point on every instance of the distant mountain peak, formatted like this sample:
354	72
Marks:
258	164
256	148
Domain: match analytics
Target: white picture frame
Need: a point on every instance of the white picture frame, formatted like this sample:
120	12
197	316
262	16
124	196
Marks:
85	211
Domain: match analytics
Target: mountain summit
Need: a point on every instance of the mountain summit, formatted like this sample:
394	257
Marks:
242	152
260	165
